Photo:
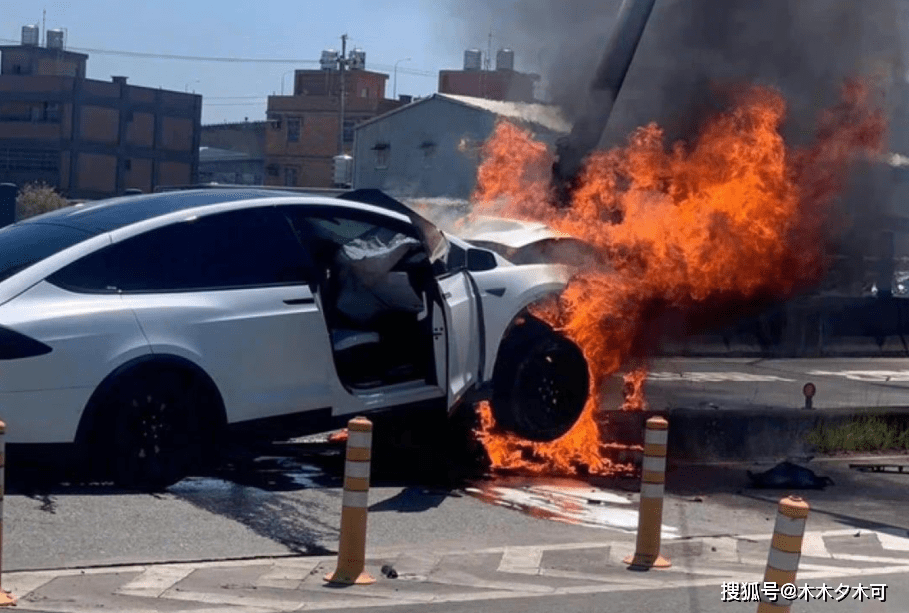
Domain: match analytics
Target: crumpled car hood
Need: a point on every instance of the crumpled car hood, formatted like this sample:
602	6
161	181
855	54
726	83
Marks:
511	233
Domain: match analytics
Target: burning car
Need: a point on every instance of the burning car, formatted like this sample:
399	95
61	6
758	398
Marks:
140	328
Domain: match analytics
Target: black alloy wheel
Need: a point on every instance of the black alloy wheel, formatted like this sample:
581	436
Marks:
158	437
541	385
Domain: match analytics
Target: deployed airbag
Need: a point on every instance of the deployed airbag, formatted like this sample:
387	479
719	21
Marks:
368	284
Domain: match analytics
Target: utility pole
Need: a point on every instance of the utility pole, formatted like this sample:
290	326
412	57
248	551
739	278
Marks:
342	64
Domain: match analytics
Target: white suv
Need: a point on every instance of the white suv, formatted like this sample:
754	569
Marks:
140	327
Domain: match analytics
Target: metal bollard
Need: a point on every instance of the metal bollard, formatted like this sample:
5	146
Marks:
6	599
650	515
785	551
352	546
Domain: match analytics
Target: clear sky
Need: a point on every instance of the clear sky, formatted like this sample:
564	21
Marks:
429	32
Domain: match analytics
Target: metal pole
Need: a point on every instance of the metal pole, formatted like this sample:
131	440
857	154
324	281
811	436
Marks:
342	65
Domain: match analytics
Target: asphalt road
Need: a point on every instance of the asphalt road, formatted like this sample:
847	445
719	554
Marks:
282	501
842	383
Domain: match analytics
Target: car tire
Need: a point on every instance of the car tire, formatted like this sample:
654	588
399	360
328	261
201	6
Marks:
158	434
541	383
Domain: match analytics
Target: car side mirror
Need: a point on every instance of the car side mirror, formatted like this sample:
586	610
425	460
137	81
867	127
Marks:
479	260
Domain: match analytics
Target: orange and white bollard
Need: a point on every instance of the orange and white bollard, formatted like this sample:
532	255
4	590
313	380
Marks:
650	515
352	546
6	599
785	552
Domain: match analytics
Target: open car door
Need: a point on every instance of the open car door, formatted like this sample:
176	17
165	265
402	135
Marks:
457	329
462	334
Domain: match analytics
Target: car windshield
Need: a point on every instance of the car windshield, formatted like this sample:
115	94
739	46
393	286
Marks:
22	245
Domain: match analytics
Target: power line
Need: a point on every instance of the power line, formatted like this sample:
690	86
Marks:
231	60
236	97
235	103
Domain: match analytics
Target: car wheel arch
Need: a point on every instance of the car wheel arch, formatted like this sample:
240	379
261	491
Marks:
522	315
92	414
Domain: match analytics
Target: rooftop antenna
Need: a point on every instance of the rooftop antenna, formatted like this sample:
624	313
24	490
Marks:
487	65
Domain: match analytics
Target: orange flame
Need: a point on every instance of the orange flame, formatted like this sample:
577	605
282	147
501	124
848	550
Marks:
580	452
633	390
692	233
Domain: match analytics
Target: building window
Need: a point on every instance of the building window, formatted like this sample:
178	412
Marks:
383	151
429	153
274	120
293	130
364	92
290	176
273	170
127	164
29	159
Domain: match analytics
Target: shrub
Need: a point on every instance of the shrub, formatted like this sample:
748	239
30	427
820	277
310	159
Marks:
37	198
860	434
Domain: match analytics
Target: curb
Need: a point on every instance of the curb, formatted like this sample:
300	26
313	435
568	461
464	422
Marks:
753	434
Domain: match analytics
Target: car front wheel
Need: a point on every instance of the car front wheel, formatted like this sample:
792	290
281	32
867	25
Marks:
541	383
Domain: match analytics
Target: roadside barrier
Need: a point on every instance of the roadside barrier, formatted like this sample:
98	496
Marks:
785	551
650	515
352	546
6	599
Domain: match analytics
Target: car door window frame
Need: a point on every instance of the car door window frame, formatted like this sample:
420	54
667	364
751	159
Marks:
115	252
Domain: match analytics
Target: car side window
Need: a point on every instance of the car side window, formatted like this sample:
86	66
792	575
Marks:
237	249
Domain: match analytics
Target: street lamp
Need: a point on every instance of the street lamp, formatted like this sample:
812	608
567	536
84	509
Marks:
282	79
395	94
186	87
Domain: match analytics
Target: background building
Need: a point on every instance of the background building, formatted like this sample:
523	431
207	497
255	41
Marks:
303	134
89	138
476	80
430	148
233	153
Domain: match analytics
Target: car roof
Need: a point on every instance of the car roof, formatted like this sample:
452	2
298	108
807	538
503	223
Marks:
111	214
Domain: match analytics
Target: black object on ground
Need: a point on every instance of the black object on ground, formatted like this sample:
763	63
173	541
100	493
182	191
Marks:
787	475
389	571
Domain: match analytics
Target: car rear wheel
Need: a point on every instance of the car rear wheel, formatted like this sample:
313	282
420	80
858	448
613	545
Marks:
541	383
158	433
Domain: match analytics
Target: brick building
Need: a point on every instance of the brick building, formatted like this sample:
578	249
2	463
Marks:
90	138
504	83
302	137
233	153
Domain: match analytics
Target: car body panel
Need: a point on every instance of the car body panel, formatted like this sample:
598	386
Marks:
507	291
511	233
265	356
90	336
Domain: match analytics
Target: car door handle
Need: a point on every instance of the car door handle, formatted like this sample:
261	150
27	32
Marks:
294	301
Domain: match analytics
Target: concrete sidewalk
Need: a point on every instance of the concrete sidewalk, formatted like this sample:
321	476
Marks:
423	577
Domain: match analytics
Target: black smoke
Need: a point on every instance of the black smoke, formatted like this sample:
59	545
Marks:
693	51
